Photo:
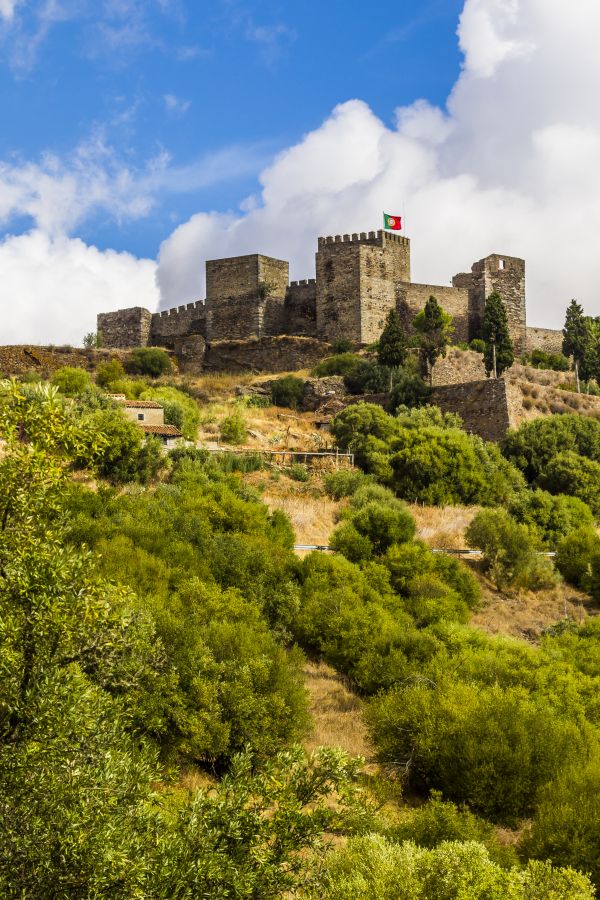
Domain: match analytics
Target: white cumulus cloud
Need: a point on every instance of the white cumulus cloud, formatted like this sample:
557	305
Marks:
52	287
509	166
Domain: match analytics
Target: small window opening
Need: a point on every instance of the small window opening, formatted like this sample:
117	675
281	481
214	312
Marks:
502	264
140	417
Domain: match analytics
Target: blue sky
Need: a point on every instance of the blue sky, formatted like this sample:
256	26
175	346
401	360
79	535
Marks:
141	137
188	80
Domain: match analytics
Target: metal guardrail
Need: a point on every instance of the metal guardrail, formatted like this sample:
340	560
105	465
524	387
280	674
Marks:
294	455
448	550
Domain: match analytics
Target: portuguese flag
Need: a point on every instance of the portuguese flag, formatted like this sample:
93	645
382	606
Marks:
392	223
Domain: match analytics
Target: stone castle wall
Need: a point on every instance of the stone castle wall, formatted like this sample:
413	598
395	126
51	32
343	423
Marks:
245	297
301	308
171	324
413	297
357	280
484	406
125	328
506	276
269	354
547	339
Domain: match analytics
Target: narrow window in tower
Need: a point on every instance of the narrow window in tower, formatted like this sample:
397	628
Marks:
502	264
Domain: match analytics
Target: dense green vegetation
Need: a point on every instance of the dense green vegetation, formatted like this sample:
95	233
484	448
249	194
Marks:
154	621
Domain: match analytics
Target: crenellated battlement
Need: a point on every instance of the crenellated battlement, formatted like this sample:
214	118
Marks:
177	310
302	282
374	238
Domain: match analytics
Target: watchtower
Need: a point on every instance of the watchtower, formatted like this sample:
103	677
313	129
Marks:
358	282
504	275
245	297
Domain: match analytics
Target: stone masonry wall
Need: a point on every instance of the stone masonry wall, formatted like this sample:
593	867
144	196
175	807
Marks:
269	354
484	406
301	308
547	339
236	307
506	276
458	367
357	280
171	324
413	297
125	328
244	318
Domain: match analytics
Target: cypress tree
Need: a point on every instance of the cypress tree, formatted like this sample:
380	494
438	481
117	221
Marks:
435	327
576	337
393	344
499	352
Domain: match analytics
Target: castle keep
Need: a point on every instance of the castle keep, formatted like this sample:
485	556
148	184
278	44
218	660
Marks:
359	279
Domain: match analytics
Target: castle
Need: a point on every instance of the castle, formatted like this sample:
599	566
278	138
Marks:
359	279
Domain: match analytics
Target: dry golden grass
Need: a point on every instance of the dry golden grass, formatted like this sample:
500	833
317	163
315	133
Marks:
525	614
443	526
313	515
336	713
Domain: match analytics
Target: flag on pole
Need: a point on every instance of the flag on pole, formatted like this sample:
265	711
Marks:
392	223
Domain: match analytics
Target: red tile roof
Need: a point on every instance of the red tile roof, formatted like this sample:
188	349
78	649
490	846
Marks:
164	430
140	404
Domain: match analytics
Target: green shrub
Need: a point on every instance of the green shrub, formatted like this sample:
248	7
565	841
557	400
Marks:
375	867
233	429
125	456
509	552
109	372
539	359
536	443
71	381
490	747
287	391
341	345
409	390
566	826
368	378
340	364
150	361
344	482
574	556
298	472
570	473
550	517
384	525
348	541
478	345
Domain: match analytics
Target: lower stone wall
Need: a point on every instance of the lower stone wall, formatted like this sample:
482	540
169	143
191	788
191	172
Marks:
268	354
413	297
301	308
124	328
484	406
243	318
459	367
547	339
171	324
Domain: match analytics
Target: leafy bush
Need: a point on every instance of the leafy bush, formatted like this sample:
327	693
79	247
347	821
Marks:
109	372
298	472
341	345
557	362
566	826
344	482
550	517
375	867
536	443
71	381
368	378
383	525
233	429
124	456
340	364
409	390
287	391
150	361
570	473
478	345
509	552
490	747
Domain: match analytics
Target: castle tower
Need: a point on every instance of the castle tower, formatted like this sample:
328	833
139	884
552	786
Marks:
358	282
245	297
504	275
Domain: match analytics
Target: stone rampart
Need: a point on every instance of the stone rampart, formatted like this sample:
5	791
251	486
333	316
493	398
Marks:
171	324
413	297
547	339
484	406
300	312
125	328
269	354
458	367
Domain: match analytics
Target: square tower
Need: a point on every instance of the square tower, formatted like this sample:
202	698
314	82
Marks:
358	283
245	297
504	275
